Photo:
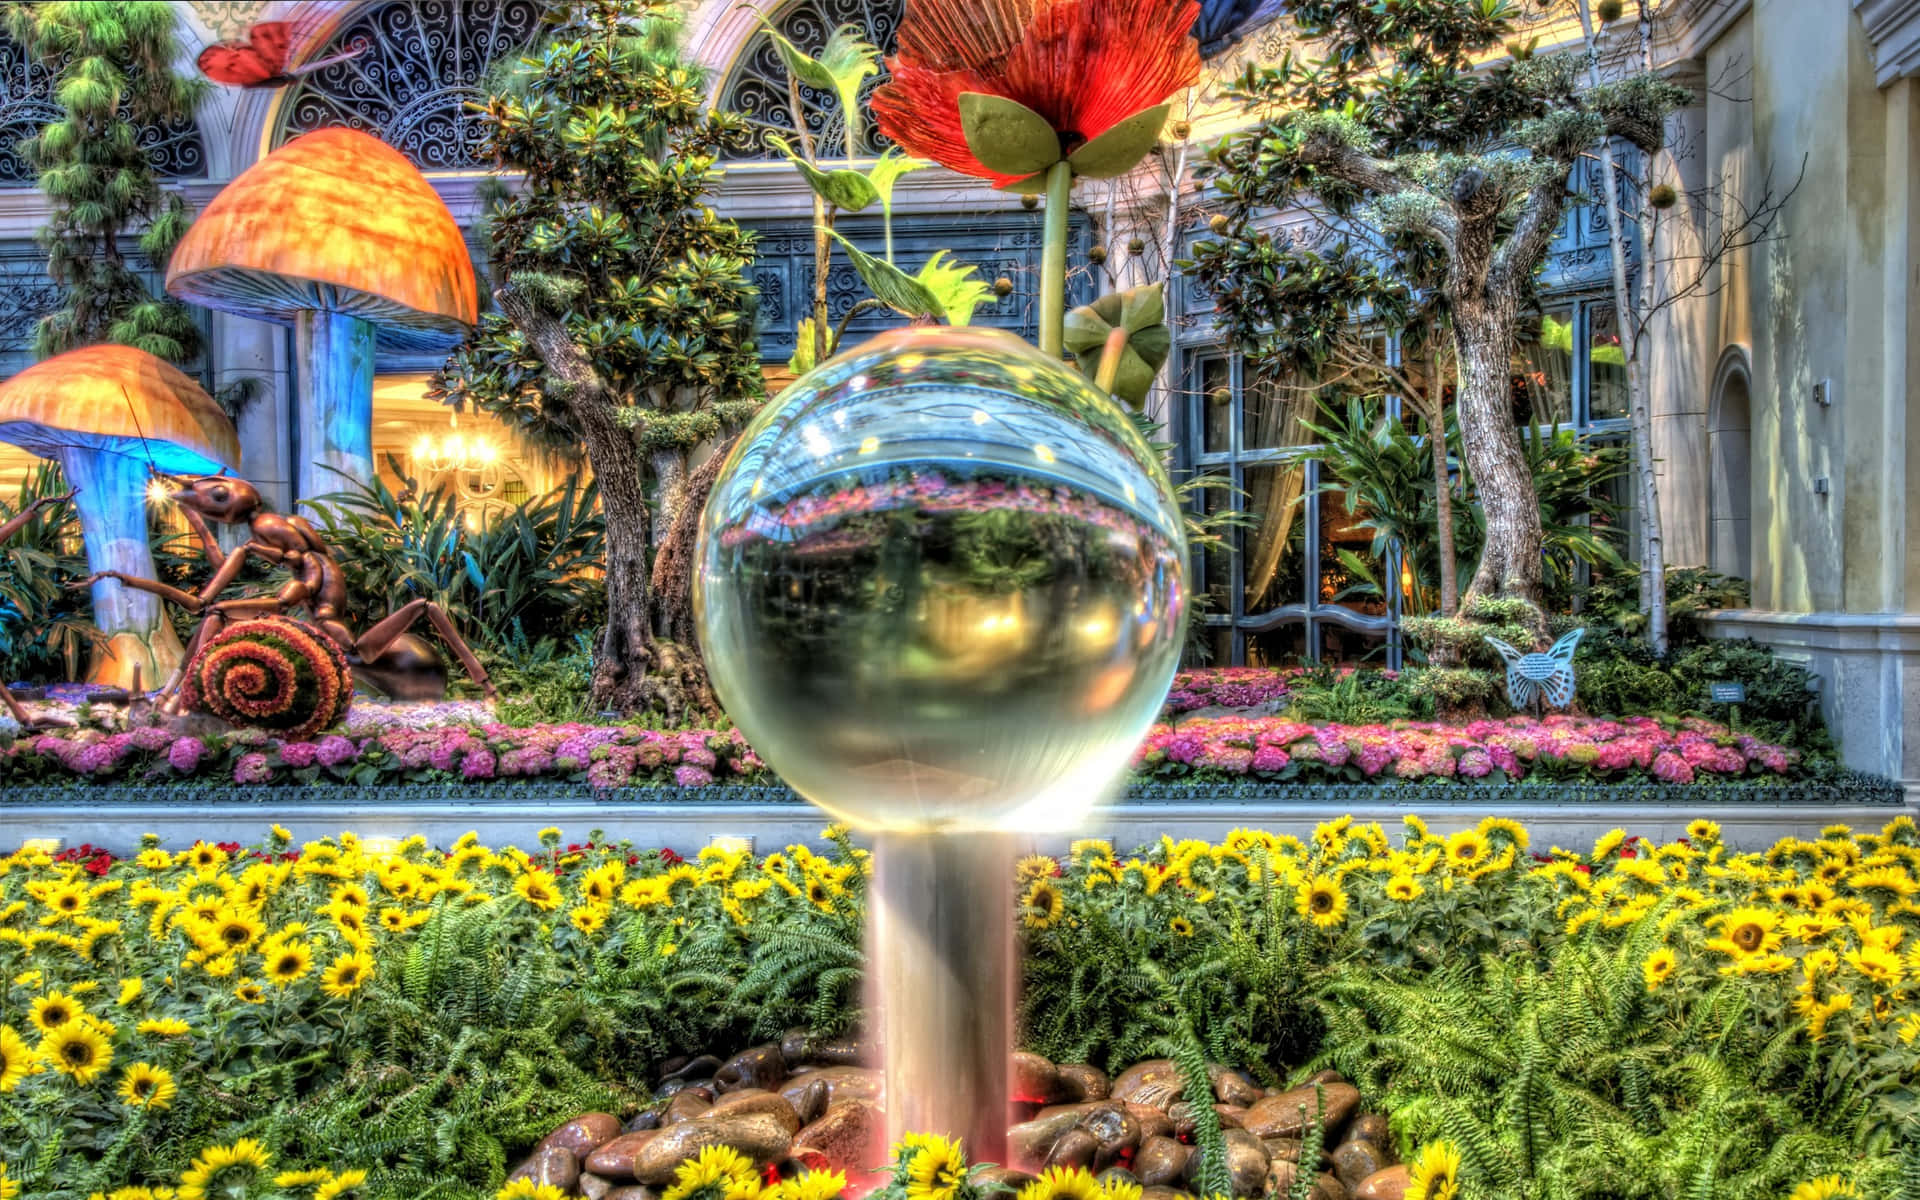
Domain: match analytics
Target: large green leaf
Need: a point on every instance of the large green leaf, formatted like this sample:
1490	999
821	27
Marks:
1120	148
888	169
844	63
1006	136
954	286
890	285
845	189
1142	312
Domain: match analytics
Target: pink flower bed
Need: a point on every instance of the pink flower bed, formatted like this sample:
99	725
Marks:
1515	748
1229	687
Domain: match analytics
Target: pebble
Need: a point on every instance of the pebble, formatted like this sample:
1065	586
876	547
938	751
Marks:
685	1106
1075	1148
811	1101
1231	1087
849	1137
753	1100
594	1187
584	1134
760	1136
1373	1127
556	1165
1082	1082
1355	1161
1035	1080
1161	1160
762	1067
615	1159
842	1083
1282	1115
1246	1163
1389	1184
1155	1083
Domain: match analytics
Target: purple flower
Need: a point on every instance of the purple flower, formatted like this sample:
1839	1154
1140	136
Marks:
478	764
692	777
334	750
299	754
253	768
1672	767
185	754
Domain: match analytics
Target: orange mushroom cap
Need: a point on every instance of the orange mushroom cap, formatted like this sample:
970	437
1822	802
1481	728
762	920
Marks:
111	399
337	221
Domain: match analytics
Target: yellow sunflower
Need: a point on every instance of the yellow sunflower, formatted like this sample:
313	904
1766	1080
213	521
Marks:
1889	883
721	1168
1435	1174
340	1184
937	1169
1827	1187
1609	843
1032	867
527	1189
347	975
1063	1183
1466	849
808	1185
1321	900
820	893
230	932
1747	932
602	884
53	1010
1703	830
250	992
1659	967
9	1186
1404	888
164	1027
537	888
1181	926
588	918
1878	964
144	1085
1511	829
224	1170
16	1058
1042	905
77	1049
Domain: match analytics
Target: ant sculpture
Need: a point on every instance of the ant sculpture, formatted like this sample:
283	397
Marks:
12	526
386	657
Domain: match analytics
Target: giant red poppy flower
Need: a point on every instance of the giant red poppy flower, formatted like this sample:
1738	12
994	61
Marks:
1084	66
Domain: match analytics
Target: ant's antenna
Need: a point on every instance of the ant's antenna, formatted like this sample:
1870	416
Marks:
153	468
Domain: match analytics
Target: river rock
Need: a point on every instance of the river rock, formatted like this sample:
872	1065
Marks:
594	1187
1153	1122
1390	1183
1155	1083
1373	1127
685	1106
1113	1175
849	1137
1282	1149
615	1159
762	1067
1034	1079
1161	1160
1082	1082
1075	1148
1327	1187
1030	1141
632	1192
1118	1133
1231	1087
584	1134
1246	1163
1185	1118
842	1083
673	1087
752	1100
811	1102
1327	1076
556	1165
1281	1116
1007	1177
1355	1161
1163	1191
702	1067
1280	1177
797	1046
645	1119
760	1136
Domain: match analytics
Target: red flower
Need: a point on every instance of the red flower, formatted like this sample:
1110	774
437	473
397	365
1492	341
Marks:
1082	65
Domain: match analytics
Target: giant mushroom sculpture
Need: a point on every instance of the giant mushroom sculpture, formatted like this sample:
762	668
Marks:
109	415
339	236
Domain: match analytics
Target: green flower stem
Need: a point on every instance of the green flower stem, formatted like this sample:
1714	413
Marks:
1110	359
1053	261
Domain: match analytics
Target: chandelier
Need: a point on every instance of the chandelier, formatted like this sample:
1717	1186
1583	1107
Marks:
467	467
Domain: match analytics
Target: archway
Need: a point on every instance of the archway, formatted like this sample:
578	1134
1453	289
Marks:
1730	466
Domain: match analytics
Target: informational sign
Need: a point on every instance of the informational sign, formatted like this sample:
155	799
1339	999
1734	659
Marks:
1727	693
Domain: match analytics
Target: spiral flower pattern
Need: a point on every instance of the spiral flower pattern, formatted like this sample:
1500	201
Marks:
271	673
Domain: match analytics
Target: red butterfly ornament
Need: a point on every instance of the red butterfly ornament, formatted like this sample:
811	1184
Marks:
260	60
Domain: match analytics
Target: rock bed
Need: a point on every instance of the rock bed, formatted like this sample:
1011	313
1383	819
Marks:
809	1104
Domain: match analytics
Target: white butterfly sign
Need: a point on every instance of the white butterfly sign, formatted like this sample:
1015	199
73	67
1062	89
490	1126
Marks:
1548	675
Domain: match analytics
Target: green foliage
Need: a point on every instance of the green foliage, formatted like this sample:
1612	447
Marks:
1348	697
45	627
113	74
1781	703
529	567
1462	638
1445	691
1613	601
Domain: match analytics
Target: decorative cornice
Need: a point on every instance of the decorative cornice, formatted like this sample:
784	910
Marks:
1893	29
1685	28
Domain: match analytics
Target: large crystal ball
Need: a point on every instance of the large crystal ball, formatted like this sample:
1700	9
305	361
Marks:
940	585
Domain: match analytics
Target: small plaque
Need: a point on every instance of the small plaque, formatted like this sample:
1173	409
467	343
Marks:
1728	693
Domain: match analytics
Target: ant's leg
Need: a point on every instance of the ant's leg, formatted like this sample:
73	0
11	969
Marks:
169	699
167	592
376	641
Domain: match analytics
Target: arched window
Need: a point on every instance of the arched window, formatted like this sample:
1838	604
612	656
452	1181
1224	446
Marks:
26	104
1730	455
756	84
413	66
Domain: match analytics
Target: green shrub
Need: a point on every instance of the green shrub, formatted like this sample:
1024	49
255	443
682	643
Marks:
46	628
1446	692
1351	697
1781	702
1462	638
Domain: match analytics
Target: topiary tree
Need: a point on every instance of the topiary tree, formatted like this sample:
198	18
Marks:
626	318
1455	175
113	75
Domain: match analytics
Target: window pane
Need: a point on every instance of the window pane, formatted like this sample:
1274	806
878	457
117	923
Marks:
1219	562
1606	367
1218	643
1281	646
1339	645
1350	575
1272	412
1273	539
1542	369
1216	406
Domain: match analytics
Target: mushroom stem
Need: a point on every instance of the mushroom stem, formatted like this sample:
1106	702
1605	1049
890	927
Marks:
112	503
333	364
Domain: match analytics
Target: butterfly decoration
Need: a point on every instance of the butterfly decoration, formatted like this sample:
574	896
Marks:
1549	674
259	60
1222	23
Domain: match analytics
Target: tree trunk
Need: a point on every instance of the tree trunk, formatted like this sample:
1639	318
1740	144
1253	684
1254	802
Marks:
1443	511
1510	559
673	560
669	490
626	651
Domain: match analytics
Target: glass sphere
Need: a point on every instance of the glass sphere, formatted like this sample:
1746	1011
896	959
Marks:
940	585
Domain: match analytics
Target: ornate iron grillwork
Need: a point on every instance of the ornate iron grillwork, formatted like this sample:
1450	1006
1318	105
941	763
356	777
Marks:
757	85
423	61
26	104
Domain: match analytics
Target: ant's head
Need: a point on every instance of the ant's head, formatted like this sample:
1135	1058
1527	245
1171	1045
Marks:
219	498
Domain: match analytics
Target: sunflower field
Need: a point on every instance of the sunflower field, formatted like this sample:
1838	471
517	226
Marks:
347	1018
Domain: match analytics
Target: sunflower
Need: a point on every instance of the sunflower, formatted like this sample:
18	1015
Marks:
204	857
347	975
1877	964
223	1170
232	931
1117	1188
77	1049
1435	1174
937	1169
537	888
9	1186
720	1170
527	1189
16	1058
65	901
602	884
1608	844
820	893
340	1184
53	1010
250	992
1891	882
1404	888
808	1185
165	1027
1322	900
1827	1187
1747	932
1035	866
1513	830
1466	849
1062	1183
588	918
1042	905
1659	967
1181	926
144	1085
306	1177
289	963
